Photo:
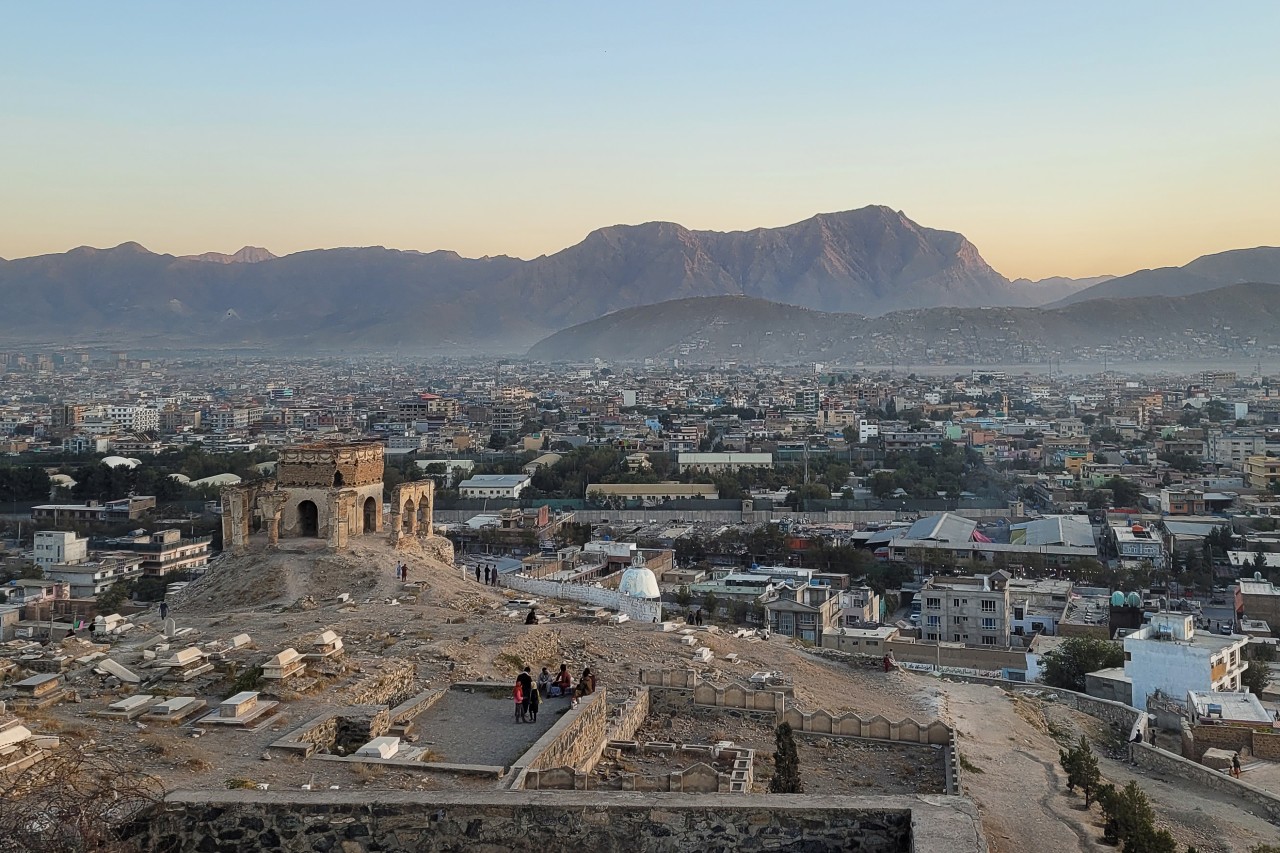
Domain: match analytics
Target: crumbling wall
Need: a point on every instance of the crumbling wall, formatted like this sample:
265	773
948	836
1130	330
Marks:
578	744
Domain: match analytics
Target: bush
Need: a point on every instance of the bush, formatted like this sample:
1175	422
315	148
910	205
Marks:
1081	766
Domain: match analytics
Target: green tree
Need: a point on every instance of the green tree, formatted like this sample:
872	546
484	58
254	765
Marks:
710	604
786	763
1123	492
1256	677
1081	766
1067	665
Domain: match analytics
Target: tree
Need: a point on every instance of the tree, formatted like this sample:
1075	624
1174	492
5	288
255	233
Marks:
1082	770
786	763
709	604
76	802
1123	492
1255	677
1067	665
1130	818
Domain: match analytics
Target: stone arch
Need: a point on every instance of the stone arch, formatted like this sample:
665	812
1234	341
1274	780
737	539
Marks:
338	480
371	510
412	509
308	518
409	518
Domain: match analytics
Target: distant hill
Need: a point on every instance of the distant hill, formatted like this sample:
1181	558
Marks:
1046	290
247	255
871	260
1204	273
1231	321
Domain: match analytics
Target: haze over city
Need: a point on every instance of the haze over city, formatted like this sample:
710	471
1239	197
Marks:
1074	140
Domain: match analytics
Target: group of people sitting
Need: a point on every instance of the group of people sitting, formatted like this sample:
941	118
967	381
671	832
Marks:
528	695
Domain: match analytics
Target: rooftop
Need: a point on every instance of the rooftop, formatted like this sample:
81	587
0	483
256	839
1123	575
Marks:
942	528
1072	530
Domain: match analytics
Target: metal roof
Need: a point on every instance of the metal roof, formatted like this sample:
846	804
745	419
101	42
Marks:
1054	530
942	528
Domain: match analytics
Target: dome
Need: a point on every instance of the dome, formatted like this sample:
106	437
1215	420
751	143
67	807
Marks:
1117	599
181	478
117	461
1134	600
217	480
639	582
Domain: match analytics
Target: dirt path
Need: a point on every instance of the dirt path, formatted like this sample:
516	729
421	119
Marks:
1022	792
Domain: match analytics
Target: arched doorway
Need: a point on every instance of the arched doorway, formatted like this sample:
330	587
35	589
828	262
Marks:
408	520
337	480
308	519
370	515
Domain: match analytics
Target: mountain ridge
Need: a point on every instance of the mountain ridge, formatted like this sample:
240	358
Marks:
1239	319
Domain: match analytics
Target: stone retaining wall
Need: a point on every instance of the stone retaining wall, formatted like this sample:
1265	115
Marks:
1259	743
608	822
1160	761
393	680
577	743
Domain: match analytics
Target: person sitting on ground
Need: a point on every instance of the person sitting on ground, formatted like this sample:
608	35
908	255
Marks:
586	686
532	618
544	682
560	687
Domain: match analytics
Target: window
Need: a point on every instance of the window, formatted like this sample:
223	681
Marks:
933	603
988	641
959	620
931	636
959	602
935	621
955	638
988	606
1128	656
988	624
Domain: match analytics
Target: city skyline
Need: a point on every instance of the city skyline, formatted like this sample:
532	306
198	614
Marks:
1076	142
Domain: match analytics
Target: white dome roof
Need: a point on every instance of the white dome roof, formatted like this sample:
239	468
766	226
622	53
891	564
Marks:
117	461
639	582
217	480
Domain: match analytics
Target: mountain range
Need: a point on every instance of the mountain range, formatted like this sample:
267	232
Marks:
873	261
1234	322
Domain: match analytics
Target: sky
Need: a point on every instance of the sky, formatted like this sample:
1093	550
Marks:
1062	139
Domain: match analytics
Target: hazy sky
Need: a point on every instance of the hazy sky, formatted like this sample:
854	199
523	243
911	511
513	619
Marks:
1063	139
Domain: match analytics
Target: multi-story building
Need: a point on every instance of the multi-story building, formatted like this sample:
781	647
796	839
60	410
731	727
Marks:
164	551
1182	501
1233	448
1137	544
967	610
803	611
123	509
1258	599
1168	654
134	418
97	574
57	546
1261	472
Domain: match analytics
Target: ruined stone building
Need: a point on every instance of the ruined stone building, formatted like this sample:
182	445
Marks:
324	491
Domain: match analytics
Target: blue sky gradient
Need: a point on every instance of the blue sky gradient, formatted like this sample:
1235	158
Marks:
1063	139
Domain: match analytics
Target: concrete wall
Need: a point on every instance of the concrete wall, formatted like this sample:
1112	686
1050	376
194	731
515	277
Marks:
607	822
1259	743
637	609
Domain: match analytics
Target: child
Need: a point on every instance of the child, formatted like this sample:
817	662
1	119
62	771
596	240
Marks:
518	695
535	699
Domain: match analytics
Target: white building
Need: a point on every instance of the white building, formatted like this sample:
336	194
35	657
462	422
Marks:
135	418
715	462
1169	655
494	486
56	546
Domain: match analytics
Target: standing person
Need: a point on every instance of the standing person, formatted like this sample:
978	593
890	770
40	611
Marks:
164	610
544	682
535	699
1235	765
517	693
525	680
486	574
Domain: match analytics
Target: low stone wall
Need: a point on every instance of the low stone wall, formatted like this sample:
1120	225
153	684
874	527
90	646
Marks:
1124	718
393	681
876	728
609	822
1160	761
636	609
698	778
575	741
626	719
